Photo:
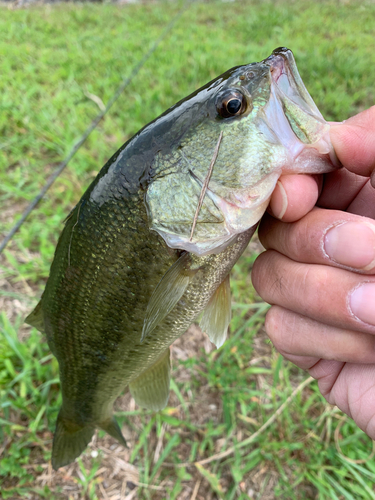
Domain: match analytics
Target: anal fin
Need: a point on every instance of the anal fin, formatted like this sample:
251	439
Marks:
35	318
151	389
217	315
113	429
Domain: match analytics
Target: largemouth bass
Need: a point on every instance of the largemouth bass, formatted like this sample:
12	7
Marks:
150	245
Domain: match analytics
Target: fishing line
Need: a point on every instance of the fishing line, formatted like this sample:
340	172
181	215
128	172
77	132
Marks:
125	82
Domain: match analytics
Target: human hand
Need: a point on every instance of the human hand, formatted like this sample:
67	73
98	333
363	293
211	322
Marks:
319	272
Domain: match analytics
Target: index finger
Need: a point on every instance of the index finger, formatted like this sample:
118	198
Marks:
325	237
294	196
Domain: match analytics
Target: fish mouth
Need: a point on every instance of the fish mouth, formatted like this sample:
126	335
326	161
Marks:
288	82
291	104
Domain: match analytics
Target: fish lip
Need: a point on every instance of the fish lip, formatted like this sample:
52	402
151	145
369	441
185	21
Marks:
282	63
287	87
277	62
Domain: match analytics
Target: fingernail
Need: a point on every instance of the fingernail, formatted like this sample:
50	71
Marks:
362	303
351	244
279	201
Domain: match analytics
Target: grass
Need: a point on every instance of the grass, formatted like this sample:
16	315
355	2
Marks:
52	58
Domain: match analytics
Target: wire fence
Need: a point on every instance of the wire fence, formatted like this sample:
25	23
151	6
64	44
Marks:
125	82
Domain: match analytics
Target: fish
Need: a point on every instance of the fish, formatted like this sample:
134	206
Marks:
149	247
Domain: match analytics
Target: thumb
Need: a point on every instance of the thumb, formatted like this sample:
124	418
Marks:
354	142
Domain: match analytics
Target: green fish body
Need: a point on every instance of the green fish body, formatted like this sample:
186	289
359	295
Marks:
137	262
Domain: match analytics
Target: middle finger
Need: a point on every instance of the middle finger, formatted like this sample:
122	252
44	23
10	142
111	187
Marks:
326	294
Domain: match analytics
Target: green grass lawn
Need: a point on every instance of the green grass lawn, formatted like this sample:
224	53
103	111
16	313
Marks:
53	60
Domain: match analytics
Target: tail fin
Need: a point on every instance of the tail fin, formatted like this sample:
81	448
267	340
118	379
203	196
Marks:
69	442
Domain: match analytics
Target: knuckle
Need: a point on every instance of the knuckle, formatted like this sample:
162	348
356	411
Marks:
301	241
313	285
282	329
268	275
261	271
274	326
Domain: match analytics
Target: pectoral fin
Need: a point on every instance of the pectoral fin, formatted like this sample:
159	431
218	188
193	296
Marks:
217	315
151	389
168	292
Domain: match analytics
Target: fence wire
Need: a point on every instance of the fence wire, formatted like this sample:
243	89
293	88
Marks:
125	82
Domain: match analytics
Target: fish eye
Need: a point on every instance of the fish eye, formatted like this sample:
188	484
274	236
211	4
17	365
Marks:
231	103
